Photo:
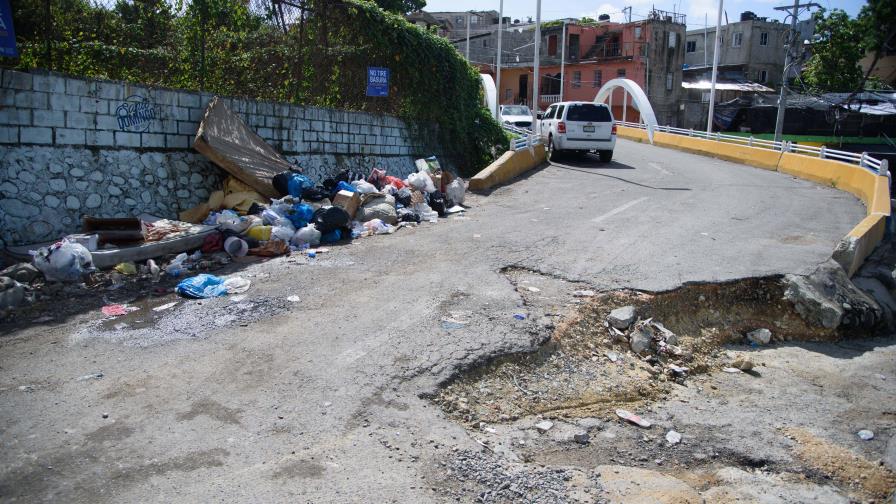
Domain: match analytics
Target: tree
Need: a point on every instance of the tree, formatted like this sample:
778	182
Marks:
841	42
401	6
834	65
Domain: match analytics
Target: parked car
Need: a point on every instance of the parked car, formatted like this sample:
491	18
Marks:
515	115
578	127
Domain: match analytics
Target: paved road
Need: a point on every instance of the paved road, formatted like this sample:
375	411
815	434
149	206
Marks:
265	400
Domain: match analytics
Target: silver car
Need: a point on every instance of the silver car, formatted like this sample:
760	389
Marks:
515	115
578	127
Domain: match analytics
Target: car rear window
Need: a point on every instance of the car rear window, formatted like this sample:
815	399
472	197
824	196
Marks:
588	112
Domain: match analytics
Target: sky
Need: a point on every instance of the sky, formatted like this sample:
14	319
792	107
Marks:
694	9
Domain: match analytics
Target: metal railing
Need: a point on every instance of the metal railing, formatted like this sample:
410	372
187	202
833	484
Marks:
549	98
862	159
526	139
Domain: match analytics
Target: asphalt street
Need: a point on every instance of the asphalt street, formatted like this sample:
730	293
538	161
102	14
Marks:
269	400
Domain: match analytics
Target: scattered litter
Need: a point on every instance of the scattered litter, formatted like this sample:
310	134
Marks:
742	363
533	289
92	376
237	298
452	324
455	209
678	370
731	370
165	306
865	435
154	270
613	356
673	438
126	268
544	426
236	285
116	310
206	286
293	299
633	418
581	438
880	376
121	325
477	236
584	293
64	261
519	316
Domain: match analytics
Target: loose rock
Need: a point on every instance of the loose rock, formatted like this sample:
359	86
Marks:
760	336
622	318
544	426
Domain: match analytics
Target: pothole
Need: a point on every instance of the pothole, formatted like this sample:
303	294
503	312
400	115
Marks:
584	370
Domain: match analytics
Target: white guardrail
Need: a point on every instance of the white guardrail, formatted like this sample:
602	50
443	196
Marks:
863	159
526	139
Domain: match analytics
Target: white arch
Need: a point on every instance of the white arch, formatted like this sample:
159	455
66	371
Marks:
490	92
642	104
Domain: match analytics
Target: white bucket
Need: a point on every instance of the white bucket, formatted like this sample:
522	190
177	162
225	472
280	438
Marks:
236	247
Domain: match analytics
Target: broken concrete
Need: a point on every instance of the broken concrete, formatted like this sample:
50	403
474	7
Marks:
828	298
622	318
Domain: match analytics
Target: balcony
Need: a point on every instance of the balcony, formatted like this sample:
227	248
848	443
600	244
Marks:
549	98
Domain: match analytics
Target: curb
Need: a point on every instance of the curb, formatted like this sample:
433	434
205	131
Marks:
507	167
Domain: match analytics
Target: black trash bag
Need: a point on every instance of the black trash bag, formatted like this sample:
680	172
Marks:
403	197
315	194
256	208
281	181
330	184
437	202
330	218
349	176
409	217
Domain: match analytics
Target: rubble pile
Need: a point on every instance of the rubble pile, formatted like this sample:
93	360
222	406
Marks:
649	339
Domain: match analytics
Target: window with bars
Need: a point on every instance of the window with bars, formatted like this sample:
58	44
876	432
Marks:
598	79
577	79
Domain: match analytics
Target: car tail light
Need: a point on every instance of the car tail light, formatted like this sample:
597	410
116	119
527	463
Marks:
614	130
561	127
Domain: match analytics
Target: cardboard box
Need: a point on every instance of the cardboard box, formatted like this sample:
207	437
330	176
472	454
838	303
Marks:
348	201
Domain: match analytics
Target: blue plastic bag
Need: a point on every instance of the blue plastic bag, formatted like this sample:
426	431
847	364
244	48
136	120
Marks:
301	215
345	186
331	237
298	183
202	286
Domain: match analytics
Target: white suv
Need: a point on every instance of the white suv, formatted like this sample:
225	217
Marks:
578	127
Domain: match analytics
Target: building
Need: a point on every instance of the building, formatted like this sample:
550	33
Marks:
649	52
426	21
457	22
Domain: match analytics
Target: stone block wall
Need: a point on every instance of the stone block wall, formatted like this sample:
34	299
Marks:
71	147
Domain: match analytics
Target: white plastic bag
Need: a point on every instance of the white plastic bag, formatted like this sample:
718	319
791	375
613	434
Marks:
230	221
422	182
363	187
456	191
308	235
283	233
64	261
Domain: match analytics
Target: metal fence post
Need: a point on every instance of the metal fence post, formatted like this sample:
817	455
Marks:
862	159
884	170
822	152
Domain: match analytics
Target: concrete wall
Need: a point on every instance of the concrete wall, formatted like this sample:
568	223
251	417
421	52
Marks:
751	55
71	147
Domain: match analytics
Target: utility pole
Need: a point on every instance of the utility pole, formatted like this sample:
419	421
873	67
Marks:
794	13
537	70
628	13
500	55
563	61
468	37
715	70
705	38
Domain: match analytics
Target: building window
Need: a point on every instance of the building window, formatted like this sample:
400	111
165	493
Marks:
737	39
552	45
638	32
474	19
763	39
763	76
459	21
620	72
669	81
577	79
705	97
484	42
691	46
508	94
598	79
673	38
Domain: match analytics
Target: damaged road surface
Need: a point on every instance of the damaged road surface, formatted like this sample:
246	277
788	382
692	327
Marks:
329	382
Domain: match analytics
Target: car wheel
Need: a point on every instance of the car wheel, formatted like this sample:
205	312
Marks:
606	156
552	153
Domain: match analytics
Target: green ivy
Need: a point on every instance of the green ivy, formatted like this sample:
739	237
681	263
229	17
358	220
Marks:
322	62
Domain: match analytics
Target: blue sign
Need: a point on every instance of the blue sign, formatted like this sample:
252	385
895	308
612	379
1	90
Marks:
377	81
7	34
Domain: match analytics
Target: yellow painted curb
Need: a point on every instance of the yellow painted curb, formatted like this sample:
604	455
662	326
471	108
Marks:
507	167
872	189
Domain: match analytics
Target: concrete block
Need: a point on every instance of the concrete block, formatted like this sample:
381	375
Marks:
15	116
94	105
36	135
165	98
80	120
17	80
107	122
77	87
167	126
65	102
188	100
102	138
256	120
7	97
110	91
55	118
70	136
266	133
196	115
177	141
152	140
187	128
179	113
125	139
9	134
371	140
48	83
31	99
265	108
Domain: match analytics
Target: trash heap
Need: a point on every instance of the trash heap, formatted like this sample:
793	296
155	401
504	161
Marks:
649	339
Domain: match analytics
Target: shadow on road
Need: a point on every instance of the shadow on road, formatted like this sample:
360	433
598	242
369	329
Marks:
589	163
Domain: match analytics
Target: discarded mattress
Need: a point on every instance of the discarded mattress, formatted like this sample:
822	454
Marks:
107	257
225	139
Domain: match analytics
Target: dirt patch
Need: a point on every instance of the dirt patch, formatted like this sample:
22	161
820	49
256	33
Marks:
864	478
587	369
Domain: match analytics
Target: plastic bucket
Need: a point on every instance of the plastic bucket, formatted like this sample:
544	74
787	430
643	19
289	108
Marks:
236	247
